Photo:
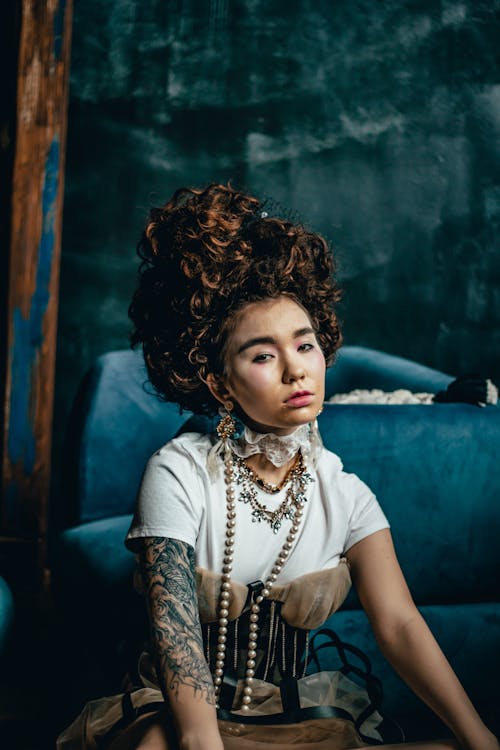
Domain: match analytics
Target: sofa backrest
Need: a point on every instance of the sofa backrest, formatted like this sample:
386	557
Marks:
434	468
362	367
116	424
436	473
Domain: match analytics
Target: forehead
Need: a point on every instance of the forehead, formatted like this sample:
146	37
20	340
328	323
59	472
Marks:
276	318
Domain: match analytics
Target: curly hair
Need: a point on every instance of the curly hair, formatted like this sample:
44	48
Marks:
205	255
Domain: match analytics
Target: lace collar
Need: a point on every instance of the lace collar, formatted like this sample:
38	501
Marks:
279	449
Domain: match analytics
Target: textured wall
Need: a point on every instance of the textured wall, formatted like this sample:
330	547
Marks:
378	122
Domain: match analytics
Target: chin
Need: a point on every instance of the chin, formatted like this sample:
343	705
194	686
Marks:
284	423
301	415
292	424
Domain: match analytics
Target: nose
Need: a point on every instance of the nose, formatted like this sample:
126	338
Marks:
293	369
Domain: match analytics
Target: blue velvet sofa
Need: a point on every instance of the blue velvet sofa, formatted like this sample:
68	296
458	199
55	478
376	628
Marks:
435	470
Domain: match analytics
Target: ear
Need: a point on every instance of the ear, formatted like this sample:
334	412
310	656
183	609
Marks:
218	388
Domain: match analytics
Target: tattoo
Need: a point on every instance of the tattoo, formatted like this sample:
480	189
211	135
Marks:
168	571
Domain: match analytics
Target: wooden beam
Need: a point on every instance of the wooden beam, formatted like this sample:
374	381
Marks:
33	269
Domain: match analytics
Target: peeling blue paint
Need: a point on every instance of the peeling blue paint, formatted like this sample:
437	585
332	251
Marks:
27	332
59	28
21	436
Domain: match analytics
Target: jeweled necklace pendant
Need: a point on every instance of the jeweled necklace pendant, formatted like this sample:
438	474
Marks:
298	478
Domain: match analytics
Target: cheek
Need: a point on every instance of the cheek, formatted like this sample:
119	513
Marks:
318	362
318	372
253	381
258	377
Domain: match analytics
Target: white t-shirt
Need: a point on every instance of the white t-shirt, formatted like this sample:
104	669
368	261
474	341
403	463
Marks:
178	499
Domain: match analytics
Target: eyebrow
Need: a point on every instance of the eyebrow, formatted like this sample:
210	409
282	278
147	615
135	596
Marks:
270	340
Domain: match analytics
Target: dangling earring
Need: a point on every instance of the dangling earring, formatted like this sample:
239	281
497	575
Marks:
315	441
227	426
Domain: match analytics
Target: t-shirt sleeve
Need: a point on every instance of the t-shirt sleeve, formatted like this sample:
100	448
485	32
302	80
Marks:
169	501
366	516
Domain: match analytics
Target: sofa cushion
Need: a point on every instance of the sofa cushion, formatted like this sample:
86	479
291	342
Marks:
95	573
91	559
469	635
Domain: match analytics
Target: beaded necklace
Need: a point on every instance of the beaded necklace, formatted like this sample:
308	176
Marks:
298	476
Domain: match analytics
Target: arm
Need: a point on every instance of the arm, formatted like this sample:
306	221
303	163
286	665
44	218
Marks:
407	642
167	567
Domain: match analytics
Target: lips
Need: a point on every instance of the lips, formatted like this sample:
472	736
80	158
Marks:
300	398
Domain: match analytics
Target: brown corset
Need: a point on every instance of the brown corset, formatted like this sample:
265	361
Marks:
306	602
287	615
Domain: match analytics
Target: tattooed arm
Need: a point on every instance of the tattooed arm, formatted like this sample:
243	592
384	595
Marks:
167	567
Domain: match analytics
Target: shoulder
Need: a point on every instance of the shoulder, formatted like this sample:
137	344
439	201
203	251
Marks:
351	502
183	458
172	495
332	475
189	448
329	464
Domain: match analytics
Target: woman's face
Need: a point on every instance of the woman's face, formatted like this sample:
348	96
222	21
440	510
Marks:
275	369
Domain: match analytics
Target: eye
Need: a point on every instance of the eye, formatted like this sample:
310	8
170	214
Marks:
305	347
262	357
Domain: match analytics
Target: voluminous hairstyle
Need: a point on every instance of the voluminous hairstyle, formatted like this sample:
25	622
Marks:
205	255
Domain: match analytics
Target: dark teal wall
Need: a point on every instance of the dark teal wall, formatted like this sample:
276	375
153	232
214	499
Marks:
379	122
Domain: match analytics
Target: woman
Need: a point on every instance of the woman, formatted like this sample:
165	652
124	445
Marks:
255	531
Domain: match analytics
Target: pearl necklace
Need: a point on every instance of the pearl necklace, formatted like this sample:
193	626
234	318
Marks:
225	593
